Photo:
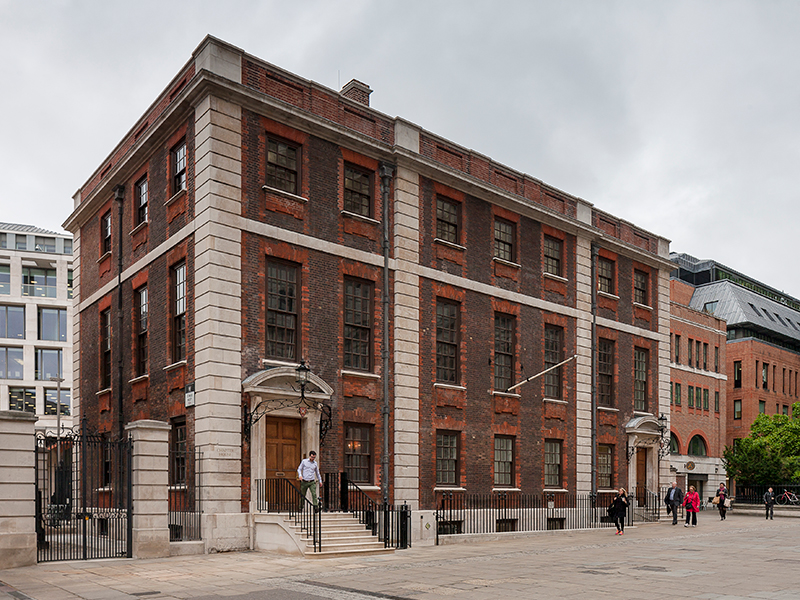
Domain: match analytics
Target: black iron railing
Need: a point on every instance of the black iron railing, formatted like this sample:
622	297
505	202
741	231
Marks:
754	494
645	505
83	496
391	524
395	526
283	496
185	482
462	513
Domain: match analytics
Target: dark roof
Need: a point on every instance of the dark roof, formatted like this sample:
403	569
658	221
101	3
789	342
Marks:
741	307
18	228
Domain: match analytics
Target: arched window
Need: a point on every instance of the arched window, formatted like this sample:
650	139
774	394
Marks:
697	447
673	444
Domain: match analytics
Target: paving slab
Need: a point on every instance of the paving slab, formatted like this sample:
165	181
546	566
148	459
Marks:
743	557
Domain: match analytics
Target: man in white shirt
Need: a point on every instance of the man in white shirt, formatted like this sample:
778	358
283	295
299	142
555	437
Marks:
308	474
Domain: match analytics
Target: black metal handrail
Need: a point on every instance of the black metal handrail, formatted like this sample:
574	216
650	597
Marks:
359	504
645	505
281	495
389	522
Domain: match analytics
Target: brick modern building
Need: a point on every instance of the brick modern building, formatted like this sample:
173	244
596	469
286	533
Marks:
35	318
238	228
763	340
697	393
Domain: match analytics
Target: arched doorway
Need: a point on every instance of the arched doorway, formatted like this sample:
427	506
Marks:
644	443
282	426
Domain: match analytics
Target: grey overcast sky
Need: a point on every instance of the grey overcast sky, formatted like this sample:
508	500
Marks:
682	117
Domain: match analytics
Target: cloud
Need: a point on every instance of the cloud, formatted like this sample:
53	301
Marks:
678	116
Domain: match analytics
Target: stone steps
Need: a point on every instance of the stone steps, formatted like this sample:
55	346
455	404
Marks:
341	535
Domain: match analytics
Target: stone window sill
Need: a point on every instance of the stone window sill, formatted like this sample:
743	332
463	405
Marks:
175	197
352	215
288	195
507	263
555	277
554	401
506	394
363	374
449	244
180	363
139	227
450	386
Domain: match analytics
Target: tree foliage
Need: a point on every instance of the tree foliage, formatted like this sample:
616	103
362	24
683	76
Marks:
770	454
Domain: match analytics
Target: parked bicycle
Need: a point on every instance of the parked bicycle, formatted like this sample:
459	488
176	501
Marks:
787	497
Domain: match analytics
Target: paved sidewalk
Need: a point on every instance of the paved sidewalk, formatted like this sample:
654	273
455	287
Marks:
742	557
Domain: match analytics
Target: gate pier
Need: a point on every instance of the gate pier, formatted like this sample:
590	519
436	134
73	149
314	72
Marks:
18	474
150	531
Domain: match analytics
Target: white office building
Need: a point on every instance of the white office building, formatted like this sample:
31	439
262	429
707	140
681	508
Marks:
35	318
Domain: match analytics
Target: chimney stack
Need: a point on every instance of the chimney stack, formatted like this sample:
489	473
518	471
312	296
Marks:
357	91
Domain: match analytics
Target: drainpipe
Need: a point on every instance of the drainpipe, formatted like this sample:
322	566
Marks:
594	370
386	173
119	196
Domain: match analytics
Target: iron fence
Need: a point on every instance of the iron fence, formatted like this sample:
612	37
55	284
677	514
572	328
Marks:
462	513
754	494
185	483
83	496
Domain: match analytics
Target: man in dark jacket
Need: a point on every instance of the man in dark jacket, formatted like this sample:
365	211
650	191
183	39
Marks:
673	500
769	502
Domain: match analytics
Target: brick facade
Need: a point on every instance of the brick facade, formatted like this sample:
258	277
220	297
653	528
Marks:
707	374
229	226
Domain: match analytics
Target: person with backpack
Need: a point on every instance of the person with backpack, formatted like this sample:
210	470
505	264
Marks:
618	509
691	502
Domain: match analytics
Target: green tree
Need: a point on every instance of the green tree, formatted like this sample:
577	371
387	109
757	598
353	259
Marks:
770	454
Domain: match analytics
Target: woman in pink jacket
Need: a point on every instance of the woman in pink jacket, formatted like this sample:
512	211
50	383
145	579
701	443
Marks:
692	503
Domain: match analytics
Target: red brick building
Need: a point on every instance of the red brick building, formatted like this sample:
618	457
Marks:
697	394
762	352
238	228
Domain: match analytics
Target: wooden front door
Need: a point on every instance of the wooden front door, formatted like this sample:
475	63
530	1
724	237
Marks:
641	475
283	448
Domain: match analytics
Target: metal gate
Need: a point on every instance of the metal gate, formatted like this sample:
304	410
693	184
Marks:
83	496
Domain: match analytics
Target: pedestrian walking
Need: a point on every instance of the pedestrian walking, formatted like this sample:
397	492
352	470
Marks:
308	474
769	502
673	500
722	496
619	508
691	503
